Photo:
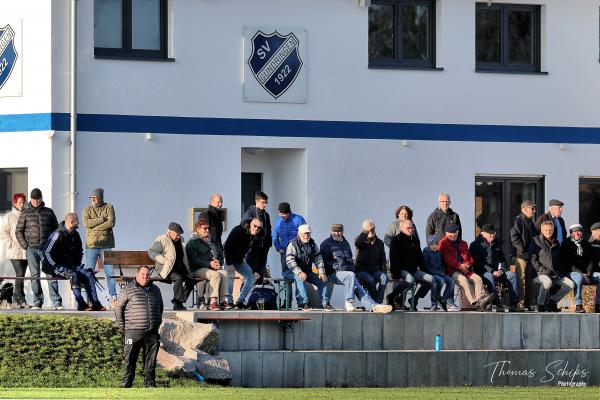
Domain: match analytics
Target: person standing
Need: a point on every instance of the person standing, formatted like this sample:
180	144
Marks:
442	217
99	221
35	224
403	213
521	235
215	217
14	252
554	214
286	229
138	313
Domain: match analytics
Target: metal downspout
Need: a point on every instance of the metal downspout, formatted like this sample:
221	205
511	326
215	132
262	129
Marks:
73	103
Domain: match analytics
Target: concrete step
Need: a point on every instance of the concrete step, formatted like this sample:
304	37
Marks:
552	367
406	331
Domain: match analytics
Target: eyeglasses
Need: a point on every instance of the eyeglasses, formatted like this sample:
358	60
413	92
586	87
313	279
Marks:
256	226
445	201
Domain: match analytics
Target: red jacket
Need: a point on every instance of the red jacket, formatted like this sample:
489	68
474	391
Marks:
449	256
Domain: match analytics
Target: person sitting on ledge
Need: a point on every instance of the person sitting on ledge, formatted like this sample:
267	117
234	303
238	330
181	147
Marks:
63	252
459	265
545	258
576	261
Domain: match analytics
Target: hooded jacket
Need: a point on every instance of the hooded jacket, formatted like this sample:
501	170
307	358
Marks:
35	225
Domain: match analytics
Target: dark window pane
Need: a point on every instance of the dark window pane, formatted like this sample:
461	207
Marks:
487	36
12	180
108	23
488	205
520	37
589	203
381	32
145	24
415	28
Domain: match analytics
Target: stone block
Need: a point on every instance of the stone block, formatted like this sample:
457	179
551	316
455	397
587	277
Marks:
491	324
270	335
249	335
272	369
536	361
438	368
531	331
393	330
229	332
550	331
335	369
477	371
472	331
314	369
372	331
377	362
234	359
453	331
252	365
293	369
356	368
332	328
589	331
311	332
511	332
458	374
418	364
569	331
413	331
397	373
176	365
352	331
214	369
176	336
433	324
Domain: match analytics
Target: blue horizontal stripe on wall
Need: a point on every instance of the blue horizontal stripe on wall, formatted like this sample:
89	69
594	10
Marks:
300	128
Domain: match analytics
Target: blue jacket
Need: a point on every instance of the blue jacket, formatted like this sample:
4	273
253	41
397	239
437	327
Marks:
433	261
284	231
337	256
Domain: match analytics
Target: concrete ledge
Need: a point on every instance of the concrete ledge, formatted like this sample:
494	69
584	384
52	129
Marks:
342	368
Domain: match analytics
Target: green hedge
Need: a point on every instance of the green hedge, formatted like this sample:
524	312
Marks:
39	350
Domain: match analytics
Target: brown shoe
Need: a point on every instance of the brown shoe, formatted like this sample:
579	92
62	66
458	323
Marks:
214	307
579	309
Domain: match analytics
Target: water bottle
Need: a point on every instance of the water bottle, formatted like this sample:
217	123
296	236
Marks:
438	343
199	377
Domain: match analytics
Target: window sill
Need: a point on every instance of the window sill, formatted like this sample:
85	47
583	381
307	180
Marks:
405	67
510	72
132	58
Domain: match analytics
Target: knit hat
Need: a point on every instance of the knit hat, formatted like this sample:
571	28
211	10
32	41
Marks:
575	227
284	208
97	193
175	227
36	194
431	239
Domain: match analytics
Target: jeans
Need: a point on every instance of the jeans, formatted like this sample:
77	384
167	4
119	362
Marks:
91	256
370	280
577	278
247	284
363	296
546	283
135	341
424	279
288	275
34	258
313	278
513	288
344	278
436	290
20	267
84	277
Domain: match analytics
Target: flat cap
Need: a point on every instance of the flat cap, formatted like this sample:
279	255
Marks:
175	227
595	226
555	202
337	228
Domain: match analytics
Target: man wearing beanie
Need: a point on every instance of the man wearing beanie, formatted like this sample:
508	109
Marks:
285	229
576	261
35	224
99	220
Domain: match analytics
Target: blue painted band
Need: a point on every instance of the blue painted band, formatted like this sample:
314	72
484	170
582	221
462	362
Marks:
300	128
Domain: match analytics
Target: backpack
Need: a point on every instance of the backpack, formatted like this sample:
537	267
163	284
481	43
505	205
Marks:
265	291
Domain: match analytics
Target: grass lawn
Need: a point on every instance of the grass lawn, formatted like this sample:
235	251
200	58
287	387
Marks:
209	392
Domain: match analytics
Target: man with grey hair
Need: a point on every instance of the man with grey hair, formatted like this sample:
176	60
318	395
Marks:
441	217
554	214
546	259
371	268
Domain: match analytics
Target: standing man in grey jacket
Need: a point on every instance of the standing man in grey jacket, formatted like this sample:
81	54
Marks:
35	224
442	217
99	220
139	314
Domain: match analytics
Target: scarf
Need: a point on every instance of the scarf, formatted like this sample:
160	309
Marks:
579	247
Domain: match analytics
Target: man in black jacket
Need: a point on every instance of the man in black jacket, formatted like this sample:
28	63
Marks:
490	264
407	262
139	314
521	235
62	257
264	244
577	263
371	269
554	214
215	216
239	249
35	224
545	258
442	217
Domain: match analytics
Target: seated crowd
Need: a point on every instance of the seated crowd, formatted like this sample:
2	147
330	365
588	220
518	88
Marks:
549	261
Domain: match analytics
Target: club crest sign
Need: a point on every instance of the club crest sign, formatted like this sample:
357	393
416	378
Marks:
274	67
8	53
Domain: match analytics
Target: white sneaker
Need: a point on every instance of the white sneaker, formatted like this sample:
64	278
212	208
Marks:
452	307
202	307
350	307
59	308
35	307
382	308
